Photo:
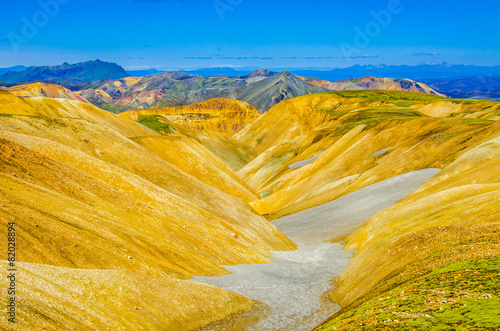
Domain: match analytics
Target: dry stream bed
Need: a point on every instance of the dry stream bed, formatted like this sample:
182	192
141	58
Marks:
293	285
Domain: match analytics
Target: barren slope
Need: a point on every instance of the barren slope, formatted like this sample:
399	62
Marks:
218	115
373	83
351	142
89	201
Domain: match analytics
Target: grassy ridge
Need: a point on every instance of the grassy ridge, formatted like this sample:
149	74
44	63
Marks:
458	297
436	292
156	123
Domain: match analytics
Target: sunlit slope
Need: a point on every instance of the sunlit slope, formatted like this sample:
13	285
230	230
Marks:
462	109
86	197
45	90
41	106
225	116
344	144
106	152
56	298
232	152
191	157
432	260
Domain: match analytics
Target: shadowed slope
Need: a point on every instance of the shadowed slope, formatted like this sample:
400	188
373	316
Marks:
191	157
232	152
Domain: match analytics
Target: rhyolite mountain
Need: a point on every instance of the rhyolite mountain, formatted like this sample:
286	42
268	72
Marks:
114	217
168	89
268	92
373	83
74	76
260	88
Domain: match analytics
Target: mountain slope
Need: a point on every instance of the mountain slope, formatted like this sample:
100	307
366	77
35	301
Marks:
219	115
166	89
319	147
94	207
373	83
437	249
45	90
266	93
68	75
431	260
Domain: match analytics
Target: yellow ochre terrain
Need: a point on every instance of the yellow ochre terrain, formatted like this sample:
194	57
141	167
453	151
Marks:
431	260
45	90
225	116
107	230
114	213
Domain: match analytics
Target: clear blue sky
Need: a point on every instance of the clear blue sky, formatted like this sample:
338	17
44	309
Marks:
173	34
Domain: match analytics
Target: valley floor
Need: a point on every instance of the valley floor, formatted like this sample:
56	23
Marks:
292	284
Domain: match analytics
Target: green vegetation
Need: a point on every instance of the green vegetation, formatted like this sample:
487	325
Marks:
374	95
156	123
373	117
115	109
461	296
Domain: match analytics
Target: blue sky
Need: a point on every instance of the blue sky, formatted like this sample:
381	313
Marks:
182	34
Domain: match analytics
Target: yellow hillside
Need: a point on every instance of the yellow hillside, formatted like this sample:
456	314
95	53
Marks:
465	193
438	249
114	213
45	90
191	157
234	153
87	200
343	144
83	299
431	260
56	108
225	116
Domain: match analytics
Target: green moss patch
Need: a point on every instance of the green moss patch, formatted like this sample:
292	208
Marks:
156	123
461	296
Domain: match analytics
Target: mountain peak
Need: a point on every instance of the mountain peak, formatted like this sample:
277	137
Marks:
270	91
68	75
259	73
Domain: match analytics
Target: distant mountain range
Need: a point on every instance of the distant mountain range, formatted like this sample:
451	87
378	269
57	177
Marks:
422	72
14	69
165	90
109	86
470	87
261	88
68	75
